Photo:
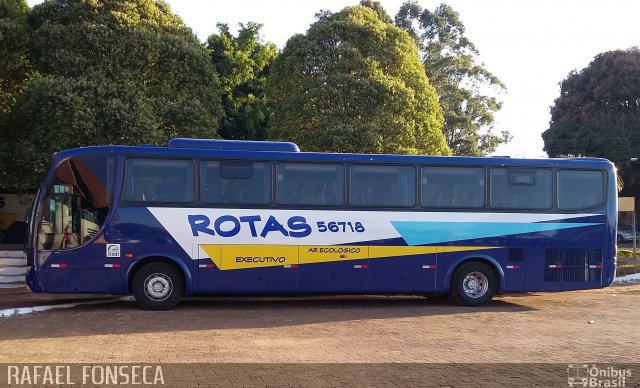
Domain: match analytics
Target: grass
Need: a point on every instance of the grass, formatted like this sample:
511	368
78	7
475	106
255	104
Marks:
627	264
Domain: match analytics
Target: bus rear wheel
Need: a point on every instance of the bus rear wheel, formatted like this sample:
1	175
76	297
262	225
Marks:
157	286
473	284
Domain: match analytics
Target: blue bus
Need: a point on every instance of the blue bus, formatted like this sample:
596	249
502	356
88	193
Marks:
240	217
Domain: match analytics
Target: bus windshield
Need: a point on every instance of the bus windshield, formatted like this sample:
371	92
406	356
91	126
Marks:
75	203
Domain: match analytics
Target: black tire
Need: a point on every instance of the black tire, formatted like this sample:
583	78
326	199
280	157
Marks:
157	286
619	239
473	284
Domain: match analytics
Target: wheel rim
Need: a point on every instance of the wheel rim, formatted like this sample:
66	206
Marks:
475	284
158	287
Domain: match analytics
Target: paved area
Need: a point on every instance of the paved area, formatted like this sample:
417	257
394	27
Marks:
20	297
586	326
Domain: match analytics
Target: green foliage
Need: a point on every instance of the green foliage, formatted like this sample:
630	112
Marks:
378	9
354	83
598	110
16	70
114	72
598	113
242	63
466	89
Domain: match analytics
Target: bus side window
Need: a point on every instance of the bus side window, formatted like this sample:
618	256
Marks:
310	184
580	189
453	187
383	186
521	189
157	180
235	182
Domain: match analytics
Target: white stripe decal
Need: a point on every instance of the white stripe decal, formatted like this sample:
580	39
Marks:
192	227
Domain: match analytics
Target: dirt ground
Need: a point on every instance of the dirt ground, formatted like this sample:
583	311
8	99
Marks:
583	326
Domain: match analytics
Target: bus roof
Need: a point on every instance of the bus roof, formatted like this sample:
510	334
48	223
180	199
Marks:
197	148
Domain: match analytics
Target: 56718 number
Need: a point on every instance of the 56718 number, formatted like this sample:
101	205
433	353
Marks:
340	226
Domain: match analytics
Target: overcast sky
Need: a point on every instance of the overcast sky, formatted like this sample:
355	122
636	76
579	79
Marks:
531	46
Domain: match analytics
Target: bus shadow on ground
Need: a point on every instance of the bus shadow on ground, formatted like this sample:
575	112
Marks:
219	313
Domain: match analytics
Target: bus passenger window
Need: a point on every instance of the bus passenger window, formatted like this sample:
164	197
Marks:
521	189
383	186
310	184
580	189
155	180
234	182
453	187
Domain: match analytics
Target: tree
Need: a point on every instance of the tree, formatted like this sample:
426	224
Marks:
378	9
16	70
598	113
113	72
354	83
598	110
466	89
242	63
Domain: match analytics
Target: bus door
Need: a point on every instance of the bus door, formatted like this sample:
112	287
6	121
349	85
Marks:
69	265
73	210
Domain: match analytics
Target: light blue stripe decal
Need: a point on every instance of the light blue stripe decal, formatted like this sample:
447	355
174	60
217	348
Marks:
421	233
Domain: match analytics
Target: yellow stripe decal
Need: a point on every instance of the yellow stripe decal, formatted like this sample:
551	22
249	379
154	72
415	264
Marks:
376	252
228	257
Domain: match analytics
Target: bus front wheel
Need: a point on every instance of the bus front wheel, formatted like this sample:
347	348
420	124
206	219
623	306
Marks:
473	284
157	286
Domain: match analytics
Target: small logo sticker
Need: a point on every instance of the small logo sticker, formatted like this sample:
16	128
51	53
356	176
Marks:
597	376
113	250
